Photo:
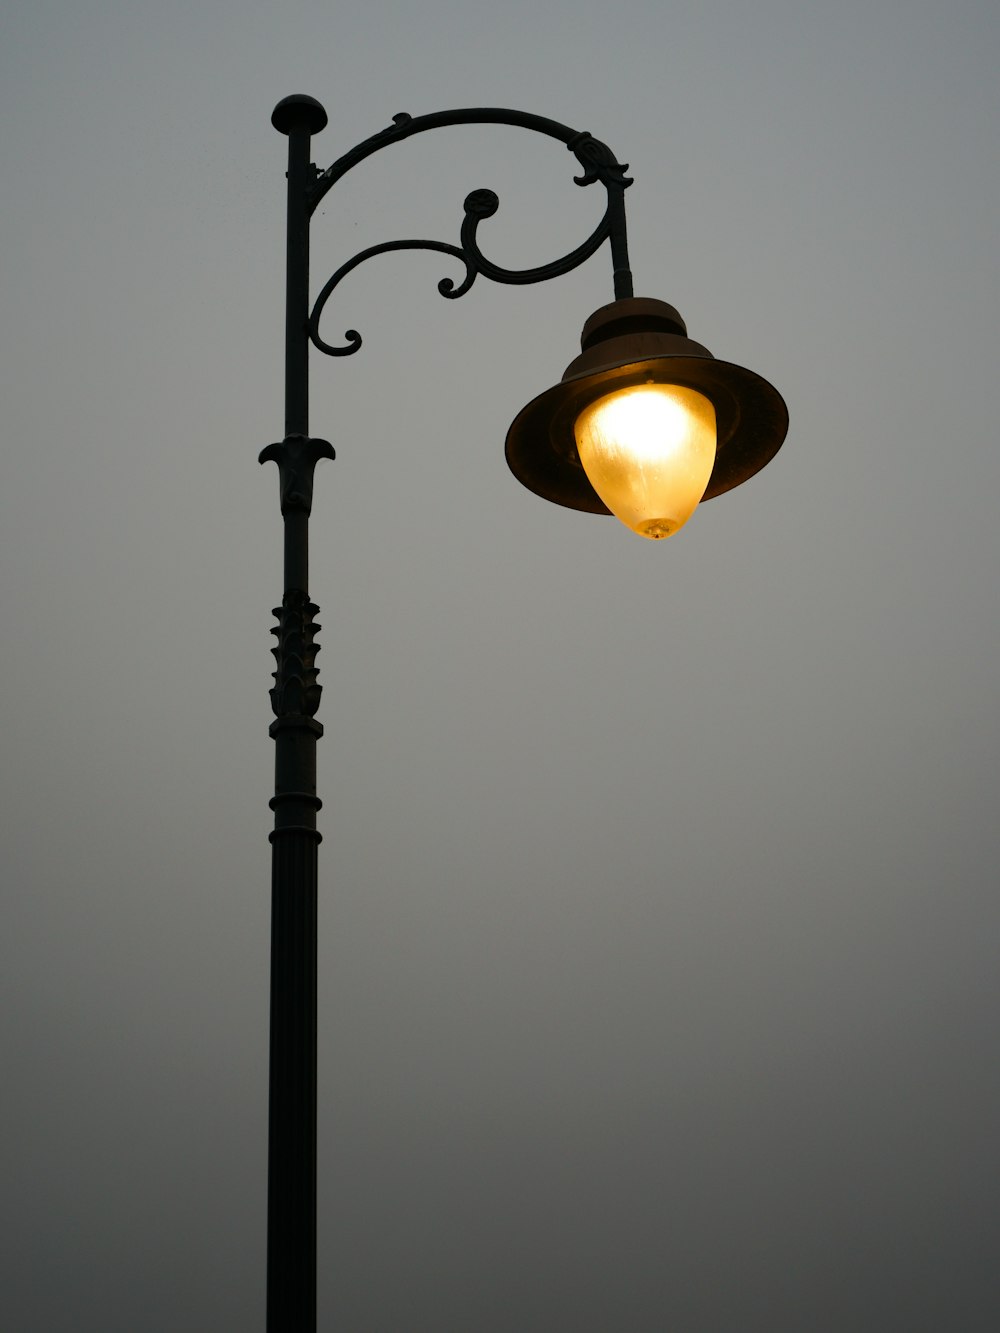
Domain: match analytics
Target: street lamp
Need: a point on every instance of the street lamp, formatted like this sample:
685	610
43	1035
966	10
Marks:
645	424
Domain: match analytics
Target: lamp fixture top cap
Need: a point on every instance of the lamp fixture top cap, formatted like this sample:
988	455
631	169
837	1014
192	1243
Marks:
632	314
297	110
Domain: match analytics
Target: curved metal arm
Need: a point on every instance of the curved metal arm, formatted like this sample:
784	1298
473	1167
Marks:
597	160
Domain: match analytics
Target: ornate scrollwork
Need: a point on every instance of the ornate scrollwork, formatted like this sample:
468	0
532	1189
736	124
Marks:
446	287
483	204
596	158
599	163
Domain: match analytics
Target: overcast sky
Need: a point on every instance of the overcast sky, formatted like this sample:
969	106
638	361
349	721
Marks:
659	897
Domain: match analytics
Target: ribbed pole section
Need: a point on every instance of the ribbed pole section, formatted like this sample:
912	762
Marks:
291	1169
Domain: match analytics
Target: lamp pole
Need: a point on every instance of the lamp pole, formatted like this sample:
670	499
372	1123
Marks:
627	346
291	1171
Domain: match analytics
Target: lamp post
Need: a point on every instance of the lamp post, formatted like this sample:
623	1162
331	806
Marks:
645	424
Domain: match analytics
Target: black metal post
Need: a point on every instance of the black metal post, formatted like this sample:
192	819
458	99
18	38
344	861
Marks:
291	1176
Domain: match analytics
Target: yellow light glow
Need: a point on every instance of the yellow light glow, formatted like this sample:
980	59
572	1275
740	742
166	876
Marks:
648	452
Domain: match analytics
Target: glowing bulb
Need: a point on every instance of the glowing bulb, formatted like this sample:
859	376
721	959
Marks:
648	452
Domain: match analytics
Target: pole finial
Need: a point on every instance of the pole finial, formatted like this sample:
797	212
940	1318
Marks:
298	110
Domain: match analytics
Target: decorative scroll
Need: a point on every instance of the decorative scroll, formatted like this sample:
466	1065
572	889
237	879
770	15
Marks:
446	287
596	158
296	690
483	204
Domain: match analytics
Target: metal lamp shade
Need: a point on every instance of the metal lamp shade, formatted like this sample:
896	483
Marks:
632	342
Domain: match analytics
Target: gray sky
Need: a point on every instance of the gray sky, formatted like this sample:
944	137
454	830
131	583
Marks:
659	912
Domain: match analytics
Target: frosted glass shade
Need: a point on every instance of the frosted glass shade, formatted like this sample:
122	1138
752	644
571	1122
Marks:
648	452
